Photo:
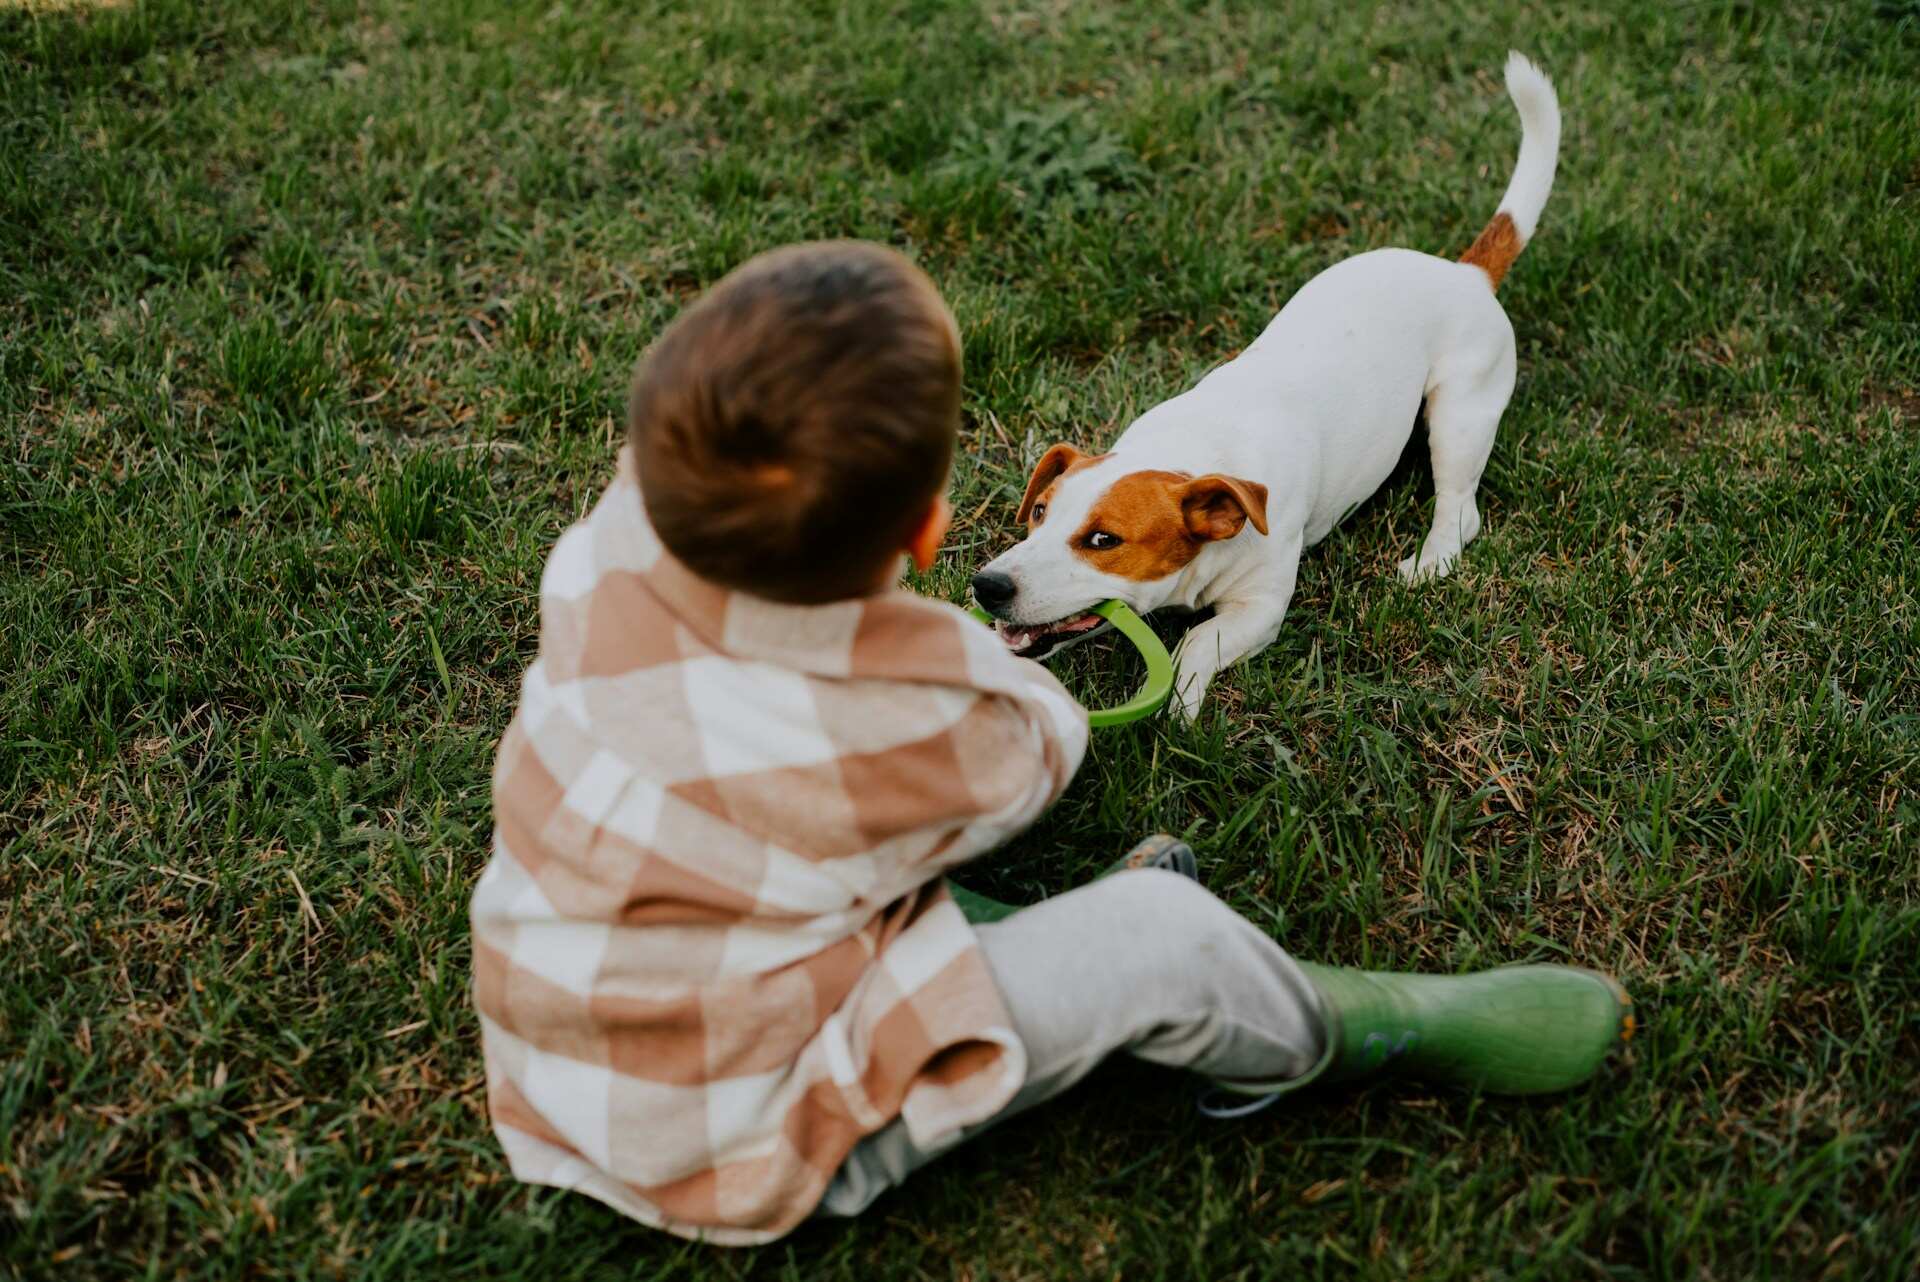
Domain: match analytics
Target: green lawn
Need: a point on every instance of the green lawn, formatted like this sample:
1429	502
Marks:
315	323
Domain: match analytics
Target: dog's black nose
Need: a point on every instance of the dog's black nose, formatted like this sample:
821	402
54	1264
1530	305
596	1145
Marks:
993	590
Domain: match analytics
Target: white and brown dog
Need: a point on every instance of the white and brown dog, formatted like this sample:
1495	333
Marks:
1287	439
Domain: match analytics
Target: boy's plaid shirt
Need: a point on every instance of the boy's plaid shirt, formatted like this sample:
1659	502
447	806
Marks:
712	950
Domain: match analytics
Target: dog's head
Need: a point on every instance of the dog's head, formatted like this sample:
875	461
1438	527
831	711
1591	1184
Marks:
1096	529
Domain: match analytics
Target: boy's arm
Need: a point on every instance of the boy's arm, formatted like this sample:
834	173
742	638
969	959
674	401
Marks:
1058	724
1016	750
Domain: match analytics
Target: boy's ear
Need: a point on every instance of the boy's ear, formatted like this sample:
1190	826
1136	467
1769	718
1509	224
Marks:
923	545
1045	473
1216	506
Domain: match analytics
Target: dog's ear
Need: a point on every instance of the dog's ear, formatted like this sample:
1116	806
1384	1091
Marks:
1216	506
1045	473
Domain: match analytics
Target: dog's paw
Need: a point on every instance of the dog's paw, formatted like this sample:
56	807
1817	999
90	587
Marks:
1189	692
1420	570
1184	711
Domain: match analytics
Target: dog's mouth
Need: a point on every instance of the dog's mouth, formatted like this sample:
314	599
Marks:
1038	640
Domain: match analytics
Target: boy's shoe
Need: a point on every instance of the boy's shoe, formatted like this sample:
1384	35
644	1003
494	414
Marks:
1160	851
1515	1030
1157	851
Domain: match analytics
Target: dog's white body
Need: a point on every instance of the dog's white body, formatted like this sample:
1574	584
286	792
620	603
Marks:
1317	411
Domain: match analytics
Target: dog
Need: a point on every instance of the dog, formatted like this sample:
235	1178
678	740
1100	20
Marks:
1208	499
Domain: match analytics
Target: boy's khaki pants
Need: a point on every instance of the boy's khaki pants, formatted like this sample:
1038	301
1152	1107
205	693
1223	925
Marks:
1145	962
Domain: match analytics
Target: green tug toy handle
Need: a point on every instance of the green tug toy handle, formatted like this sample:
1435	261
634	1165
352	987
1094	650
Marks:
1153	692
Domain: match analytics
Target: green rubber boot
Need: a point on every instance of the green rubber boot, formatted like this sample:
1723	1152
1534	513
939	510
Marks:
1157	851
1515	1030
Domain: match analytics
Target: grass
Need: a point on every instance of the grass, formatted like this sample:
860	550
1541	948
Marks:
314	328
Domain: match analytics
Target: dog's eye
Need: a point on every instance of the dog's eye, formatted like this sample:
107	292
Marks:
1038	514
1100	541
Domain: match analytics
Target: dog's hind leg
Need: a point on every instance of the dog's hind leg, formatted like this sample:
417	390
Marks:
1463	414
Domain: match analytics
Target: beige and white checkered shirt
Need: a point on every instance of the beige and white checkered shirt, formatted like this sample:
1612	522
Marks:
712	950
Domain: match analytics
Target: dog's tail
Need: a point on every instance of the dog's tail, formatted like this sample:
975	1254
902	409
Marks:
1503	239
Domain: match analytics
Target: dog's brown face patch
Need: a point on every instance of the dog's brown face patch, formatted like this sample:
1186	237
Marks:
1142	513
1149	525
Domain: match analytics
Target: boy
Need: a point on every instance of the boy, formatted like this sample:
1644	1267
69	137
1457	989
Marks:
721	981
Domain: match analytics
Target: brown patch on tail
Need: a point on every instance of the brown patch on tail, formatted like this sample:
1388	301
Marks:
1495	249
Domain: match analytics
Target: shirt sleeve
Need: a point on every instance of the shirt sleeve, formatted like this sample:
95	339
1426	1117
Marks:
996	767
1018	748
1058	722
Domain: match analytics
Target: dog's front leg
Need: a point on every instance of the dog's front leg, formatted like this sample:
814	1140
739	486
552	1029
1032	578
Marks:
1241	625
1237	629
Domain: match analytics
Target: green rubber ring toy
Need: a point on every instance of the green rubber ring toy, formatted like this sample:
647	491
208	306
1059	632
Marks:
1153	692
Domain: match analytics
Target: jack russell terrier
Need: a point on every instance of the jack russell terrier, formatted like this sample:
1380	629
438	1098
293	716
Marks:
1287	438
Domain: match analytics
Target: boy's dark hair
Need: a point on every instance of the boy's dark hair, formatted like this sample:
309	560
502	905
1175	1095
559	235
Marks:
791	427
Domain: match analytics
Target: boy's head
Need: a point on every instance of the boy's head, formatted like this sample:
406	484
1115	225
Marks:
793	429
